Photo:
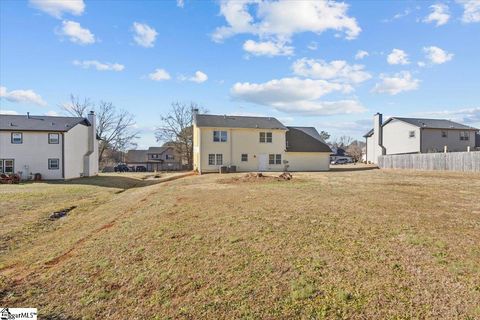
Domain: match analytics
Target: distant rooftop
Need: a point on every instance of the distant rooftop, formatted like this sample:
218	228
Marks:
39	123
219	121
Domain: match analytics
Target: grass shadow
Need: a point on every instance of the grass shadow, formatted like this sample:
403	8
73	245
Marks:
119	182
351	168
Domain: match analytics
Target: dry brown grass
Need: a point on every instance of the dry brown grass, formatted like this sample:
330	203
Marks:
369	244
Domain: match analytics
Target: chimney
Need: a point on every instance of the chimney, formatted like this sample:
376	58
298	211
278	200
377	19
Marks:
379	150
194	115
88	167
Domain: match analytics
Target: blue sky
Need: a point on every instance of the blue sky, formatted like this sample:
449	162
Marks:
331	65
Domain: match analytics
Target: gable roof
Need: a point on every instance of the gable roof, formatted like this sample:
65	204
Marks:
427	123
305	139
136	156
157	150
218	121
40	123
432	123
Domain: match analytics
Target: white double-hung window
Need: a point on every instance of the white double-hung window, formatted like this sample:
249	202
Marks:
215	159
219	136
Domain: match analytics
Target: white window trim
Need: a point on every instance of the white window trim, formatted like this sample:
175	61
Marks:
220	135
58	138
50	166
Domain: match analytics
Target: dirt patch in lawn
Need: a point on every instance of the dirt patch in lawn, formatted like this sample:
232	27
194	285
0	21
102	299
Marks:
254	177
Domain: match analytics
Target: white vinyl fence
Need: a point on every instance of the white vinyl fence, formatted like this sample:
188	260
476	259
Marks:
453	161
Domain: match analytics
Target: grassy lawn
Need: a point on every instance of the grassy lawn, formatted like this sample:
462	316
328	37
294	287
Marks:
336	245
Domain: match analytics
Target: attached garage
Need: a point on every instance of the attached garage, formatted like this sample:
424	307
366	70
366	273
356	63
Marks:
306	151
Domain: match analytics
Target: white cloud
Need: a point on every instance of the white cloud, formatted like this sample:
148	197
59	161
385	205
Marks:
159	75
399	15
471	10
76	34
22	96
199	77
144	35
437	55
466	115
57	8
296	95
86	64
180	3
421	64
10	112
399	82
361	54
51	113
336	70
397	56
280	20
267	48
440	14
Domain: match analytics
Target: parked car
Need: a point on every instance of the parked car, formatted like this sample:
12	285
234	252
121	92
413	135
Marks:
141	169
121	167
340	161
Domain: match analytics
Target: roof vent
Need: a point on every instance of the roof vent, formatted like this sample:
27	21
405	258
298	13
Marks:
28	115
11	124
53	123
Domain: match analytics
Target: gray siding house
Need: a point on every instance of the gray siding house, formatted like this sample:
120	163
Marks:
155	159
416	135
55	147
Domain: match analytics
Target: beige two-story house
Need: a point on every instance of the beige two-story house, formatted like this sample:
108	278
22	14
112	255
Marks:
55	147
400	135
256	144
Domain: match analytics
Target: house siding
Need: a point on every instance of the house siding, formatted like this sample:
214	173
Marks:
76	147
432	140
308	161
32	155
396	138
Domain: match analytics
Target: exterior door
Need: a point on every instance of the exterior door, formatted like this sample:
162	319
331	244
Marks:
262	162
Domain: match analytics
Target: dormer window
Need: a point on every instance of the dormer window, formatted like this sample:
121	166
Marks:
17	138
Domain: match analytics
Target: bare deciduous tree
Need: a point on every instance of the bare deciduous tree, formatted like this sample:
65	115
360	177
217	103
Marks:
176	128
324	135
343	141
76	107
114	127
355	151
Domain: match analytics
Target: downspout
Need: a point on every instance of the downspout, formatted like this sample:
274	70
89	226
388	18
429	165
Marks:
421	140
231	147
63	155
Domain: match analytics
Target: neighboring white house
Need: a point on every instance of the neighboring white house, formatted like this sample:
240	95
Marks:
416	135
55	147
256	144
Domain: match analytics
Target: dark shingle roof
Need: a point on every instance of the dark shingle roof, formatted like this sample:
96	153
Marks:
305	139
432	123
133	156
157	150
427	123
217	121
39	123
